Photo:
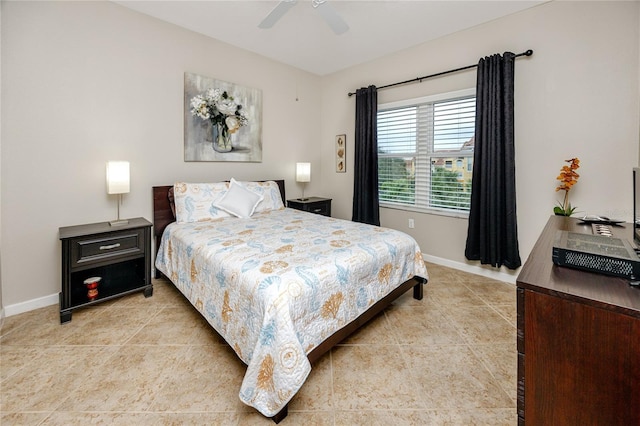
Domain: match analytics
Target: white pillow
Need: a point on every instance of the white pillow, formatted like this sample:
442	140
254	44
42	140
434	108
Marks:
194	201
238	200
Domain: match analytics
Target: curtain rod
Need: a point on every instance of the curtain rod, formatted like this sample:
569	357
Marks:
419	79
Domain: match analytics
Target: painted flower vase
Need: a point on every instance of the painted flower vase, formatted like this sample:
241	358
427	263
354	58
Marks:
221	138
92	287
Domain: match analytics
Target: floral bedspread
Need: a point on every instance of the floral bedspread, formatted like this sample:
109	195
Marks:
279	283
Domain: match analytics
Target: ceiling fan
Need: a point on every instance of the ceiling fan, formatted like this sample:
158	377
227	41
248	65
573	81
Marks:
327	12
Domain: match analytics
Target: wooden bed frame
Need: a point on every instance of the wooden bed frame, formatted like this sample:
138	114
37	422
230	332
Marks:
163	216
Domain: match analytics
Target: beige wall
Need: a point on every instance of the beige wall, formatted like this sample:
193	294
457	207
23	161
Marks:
87	82
2	314
576	96
83	83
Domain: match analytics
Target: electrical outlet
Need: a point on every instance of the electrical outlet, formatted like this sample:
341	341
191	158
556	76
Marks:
411	224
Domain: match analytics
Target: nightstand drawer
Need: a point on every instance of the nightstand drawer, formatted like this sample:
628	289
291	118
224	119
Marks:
320	207
315	205
125	244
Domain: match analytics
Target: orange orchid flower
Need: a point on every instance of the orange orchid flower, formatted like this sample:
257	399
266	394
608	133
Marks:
567	177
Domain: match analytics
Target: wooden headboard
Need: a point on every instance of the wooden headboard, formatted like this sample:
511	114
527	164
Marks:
163	215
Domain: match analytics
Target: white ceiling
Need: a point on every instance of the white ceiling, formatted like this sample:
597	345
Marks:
302	39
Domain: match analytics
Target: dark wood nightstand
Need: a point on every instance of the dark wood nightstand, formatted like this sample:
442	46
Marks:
312	205
119	255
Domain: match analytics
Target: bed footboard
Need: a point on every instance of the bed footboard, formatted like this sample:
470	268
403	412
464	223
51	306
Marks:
418	289
281	415
418	292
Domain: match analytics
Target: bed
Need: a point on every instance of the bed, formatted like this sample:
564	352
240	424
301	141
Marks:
281	286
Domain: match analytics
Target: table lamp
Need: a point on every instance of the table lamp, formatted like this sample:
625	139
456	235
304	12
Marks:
118	183
303	174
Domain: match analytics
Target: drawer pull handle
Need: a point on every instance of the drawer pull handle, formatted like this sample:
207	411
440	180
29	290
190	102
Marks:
109	247
317	210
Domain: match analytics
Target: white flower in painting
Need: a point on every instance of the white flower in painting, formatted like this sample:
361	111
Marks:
213	95
220	109
199	107
233	123
227	106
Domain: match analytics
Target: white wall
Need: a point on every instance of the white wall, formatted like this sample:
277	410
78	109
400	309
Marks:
577	96
87	82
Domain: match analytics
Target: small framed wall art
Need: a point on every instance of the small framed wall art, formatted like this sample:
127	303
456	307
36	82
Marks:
341	153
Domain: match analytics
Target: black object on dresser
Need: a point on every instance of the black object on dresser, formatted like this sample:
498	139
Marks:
119	255
312	204
578	339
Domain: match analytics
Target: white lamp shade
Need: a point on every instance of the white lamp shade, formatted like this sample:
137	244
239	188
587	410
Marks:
303	172
117	177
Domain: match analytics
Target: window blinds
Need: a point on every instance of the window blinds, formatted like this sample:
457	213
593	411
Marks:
425	154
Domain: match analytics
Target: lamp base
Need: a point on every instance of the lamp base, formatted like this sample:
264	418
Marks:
119	222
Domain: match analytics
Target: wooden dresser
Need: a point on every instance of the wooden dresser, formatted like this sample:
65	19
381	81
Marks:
578	340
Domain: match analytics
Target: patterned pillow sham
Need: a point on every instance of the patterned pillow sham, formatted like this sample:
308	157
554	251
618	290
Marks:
194	201
271	197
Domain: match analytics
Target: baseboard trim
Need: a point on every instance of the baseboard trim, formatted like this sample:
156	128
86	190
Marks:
501	274
485	271
32	304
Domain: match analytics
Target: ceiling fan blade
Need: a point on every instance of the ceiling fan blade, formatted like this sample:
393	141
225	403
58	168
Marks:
277	13
331	17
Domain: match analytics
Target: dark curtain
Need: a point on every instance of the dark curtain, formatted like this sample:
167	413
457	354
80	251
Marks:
492	237
365	181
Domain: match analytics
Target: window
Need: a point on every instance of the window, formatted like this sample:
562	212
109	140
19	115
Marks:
425	153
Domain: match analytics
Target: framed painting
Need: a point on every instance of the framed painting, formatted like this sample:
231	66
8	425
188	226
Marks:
341	153
222	120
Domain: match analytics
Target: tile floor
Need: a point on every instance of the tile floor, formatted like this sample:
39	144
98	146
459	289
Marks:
449	359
